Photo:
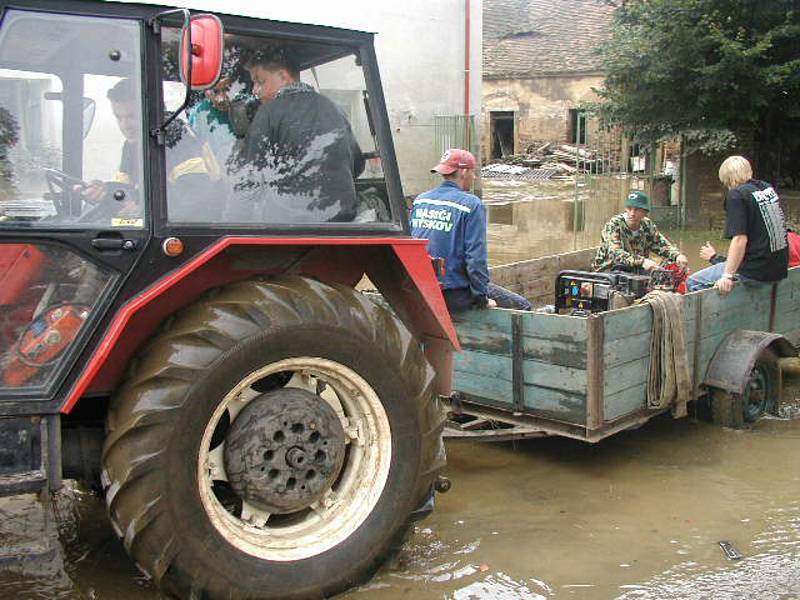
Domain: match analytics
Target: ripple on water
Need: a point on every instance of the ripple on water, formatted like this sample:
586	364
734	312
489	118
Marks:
429	566
428	559
41	586
499	586
789	408
31	561
760	577
772	573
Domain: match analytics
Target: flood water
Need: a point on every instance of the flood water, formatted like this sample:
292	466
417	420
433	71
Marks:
539	218
638	516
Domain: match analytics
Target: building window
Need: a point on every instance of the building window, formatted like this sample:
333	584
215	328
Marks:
638	162
576	126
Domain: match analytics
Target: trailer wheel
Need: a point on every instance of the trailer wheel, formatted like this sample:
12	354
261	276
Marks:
758	399
273	442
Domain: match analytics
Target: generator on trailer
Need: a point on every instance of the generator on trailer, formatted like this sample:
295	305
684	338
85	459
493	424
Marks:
183	324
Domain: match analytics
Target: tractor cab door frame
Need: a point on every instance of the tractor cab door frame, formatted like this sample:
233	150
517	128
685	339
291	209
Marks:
76	186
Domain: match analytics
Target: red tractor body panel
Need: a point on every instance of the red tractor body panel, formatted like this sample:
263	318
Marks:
19	264
400	267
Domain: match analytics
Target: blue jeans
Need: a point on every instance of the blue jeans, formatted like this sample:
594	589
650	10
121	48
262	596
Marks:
506	298
461	299
706	278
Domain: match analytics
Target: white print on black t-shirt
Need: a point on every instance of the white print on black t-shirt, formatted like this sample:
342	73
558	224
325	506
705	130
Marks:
772	214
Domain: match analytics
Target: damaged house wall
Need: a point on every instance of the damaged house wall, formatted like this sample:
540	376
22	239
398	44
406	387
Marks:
540	64
540	106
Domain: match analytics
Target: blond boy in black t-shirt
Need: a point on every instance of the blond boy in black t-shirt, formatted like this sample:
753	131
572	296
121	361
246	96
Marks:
755	224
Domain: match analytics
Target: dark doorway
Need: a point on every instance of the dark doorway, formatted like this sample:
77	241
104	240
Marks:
576	126
502	130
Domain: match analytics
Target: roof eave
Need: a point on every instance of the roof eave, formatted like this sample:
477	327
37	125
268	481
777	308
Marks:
536	75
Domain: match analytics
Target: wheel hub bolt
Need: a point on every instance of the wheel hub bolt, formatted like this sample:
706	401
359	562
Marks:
296	457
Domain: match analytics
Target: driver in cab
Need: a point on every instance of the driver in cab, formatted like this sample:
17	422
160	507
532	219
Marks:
194	177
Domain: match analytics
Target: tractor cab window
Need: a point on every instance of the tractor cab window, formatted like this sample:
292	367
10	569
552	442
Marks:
70	122
283	138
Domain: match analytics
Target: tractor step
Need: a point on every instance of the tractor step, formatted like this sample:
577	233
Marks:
29	454
29	482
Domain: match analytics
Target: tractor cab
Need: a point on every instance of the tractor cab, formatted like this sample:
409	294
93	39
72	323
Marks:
59	133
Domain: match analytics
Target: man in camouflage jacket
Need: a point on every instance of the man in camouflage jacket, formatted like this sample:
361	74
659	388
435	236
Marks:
629	239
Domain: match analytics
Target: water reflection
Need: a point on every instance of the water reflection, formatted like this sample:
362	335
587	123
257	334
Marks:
498	586
528	219
772	573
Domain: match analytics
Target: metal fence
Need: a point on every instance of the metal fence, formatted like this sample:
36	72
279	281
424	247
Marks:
602	183
456	131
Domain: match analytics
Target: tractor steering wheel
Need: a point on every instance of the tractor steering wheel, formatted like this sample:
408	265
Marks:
62	192
66	193
110	205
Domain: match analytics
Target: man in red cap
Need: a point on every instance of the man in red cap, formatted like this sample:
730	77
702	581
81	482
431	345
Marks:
454	222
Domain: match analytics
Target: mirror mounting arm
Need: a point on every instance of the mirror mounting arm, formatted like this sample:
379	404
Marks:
160	133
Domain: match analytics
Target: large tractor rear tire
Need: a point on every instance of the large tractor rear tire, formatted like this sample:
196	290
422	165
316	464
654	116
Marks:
272	443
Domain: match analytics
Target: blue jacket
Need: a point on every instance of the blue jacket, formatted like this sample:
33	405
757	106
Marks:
455	223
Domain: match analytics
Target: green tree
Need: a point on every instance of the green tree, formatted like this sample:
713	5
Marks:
711	70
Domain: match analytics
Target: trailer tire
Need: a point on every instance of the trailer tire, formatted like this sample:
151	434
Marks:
759	397
167	424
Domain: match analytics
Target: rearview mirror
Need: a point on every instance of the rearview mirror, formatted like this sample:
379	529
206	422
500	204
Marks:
200	57
201	52
89	109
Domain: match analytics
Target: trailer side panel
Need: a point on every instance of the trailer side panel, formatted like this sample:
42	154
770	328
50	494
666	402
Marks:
548	352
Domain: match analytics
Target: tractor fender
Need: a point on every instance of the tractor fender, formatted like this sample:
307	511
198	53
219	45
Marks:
737	354
400	268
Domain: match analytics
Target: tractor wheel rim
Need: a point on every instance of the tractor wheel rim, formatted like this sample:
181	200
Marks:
335	513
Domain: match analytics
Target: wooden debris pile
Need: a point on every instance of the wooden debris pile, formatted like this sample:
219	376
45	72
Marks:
558	160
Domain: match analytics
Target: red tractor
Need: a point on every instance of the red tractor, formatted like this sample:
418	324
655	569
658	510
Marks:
178	315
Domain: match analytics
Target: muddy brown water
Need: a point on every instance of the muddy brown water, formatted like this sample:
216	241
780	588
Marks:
531	219
638	516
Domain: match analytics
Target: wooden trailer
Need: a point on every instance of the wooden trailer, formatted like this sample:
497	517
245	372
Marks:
527	374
